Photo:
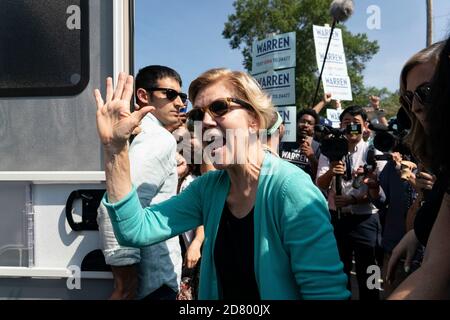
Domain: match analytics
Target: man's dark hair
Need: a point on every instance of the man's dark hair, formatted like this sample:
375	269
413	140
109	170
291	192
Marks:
148	77
354	111
310	112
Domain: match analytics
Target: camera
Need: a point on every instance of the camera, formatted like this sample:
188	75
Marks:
358	180
390	138
354	129
369	167
334	145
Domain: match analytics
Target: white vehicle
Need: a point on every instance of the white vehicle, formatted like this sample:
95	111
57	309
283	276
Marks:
53	54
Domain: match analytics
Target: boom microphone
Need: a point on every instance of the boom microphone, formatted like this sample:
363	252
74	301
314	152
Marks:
341	10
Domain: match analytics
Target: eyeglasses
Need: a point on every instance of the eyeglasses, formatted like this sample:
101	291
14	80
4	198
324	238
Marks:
422	94
217	108
171	94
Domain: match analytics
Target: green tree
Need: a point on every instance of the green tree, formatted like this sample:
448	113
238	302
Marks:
254	19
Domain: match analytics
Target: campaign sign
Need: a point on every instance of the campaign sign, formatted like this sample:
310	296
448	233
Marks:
333	115
336	63
280	85
289	115
275	52
340	87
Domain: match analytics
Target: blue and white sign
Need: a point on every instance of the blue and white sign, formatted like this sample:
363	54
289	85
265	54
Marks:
333	115
276	52
335	74
336	63
289	115
339	86
280	85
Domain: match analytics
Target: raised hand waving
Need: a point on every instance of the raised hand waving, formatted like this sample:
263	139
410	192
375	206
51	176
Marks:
115	122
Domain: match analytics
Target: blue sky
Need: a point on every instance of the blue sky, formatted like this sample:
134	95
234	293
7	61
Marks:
187	35
402	33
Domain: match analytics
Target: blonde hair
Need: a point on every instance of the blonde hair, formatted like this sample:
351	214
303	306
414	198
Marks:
244	87
416	138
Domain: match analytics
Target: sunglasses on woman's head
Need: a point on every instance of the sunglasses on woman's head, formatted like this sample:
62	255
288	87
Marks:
171	94
422	94
217	108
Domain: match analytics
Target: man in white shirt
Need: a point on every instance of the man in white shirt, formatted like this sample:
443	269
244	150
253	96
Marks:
357	226
155	269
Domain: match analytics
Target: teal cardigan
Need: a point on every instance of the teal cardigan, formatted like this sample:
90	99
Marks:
295	254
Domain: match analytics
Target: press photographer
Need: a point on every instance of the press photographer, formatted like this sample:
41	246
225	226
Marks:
400	191
357	227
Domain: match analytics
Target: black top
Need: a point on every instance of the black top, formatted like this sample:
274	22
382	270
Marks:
290	151
233	256
427	214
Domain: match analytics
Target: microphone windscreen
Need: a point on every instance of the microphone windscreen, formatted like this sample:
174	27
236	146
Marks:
341	10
